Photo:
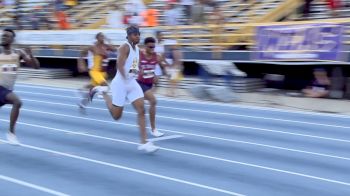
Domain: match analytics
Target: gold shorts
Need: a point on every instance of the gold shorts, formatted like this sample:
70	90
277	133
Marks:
97	77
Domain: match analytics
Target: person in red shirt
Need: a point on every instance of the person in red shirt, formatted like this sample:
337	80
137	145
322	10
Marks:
148	61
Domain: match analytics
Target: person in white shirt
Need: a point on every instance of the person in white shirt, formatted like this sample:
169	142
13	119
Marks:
159	49
9	64
125	87
115	18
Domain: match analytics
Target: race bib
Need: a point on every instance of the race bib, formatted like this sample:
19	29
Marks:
148	74
134	69
8	68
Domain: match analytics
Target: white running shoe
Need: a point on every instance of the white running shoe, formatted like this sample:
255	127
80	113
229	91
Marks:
156	133
81	105
98	90
148	147
12	138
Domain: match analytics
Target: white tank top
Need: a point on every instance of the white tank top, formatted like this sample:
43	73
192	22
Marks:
131	66
90	59
9	64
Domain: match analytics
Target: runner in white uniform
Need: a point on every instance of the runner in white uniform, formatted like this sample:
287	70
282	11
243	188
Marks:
9	64
124	86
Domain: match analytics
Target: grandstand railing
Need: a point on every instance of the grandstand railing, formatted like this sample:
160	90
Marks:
180	33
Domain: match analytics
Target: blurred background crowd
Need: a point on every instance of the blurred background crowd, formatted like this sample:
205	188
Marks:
70	14
215	26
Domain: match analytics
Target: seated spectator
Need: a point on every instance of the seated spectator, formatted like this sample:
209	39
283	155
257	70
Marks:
172	15
320	86
136	20
187	7
150	18
115	18
62	20
198	16
70	3
334	5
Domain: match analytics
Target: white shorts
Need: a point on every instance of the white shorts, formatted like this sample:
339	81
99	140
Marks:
158	71
123	90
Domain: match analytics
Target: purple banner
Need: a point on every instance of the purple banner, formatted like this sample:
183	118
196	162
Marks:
310	42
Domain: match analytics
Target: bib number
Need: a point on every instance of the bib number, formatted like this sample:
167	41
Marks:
9	68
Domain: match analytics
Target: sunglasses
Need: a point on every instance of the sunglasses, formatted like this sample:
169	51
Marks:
151	47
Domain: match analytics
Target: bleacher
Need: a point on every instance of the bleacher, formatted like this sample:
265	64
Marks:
7	14
91	13
237	13
27	7
241	17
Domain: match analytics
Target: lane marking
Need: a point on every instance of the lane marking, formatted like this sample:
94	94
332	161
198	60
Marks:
32	186
128	169
236	126
183	181
164	138
202	111
207	103
84	133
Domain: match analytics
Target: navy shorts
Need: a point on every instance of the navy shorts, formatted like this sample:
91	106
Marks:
3	93
145	86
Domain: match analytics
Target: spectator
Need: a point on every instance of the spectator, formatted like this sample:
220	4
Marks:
172	15
320	86
150	18
187	7
334	5
197	11
136	19
173	56
307	7
115	18
62	20
59	6
159	49
217	19
70	3
135	6
34	19
159	45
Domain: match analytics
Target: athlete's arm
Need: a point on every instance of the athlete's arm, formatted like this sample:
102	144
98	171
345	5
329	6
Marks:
123	55
111	48
29	59
177	58
162	63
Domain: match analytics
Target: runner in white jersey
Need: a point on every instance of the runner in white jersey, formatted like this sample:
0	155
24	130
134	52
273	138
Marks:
124	86
159	49
9	63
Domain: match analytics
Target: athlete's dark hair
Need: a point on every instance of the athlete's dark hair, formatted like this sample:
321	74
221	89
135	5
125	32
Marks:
149	40
98	34
11	31
133	29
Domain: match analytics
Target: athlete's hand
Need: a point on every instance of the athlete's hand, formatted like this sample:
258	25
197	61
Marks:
81	66
28	51
155	79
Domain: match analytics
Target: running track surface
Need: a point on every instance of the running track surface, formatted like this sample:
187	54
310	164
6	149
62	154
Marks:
225	150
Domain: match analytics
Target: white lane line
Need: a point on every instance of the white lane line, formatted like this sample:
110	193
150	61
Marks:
85	133
209	103
164	138
129	169
236	126
204	111
191	154
32	186
232	105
